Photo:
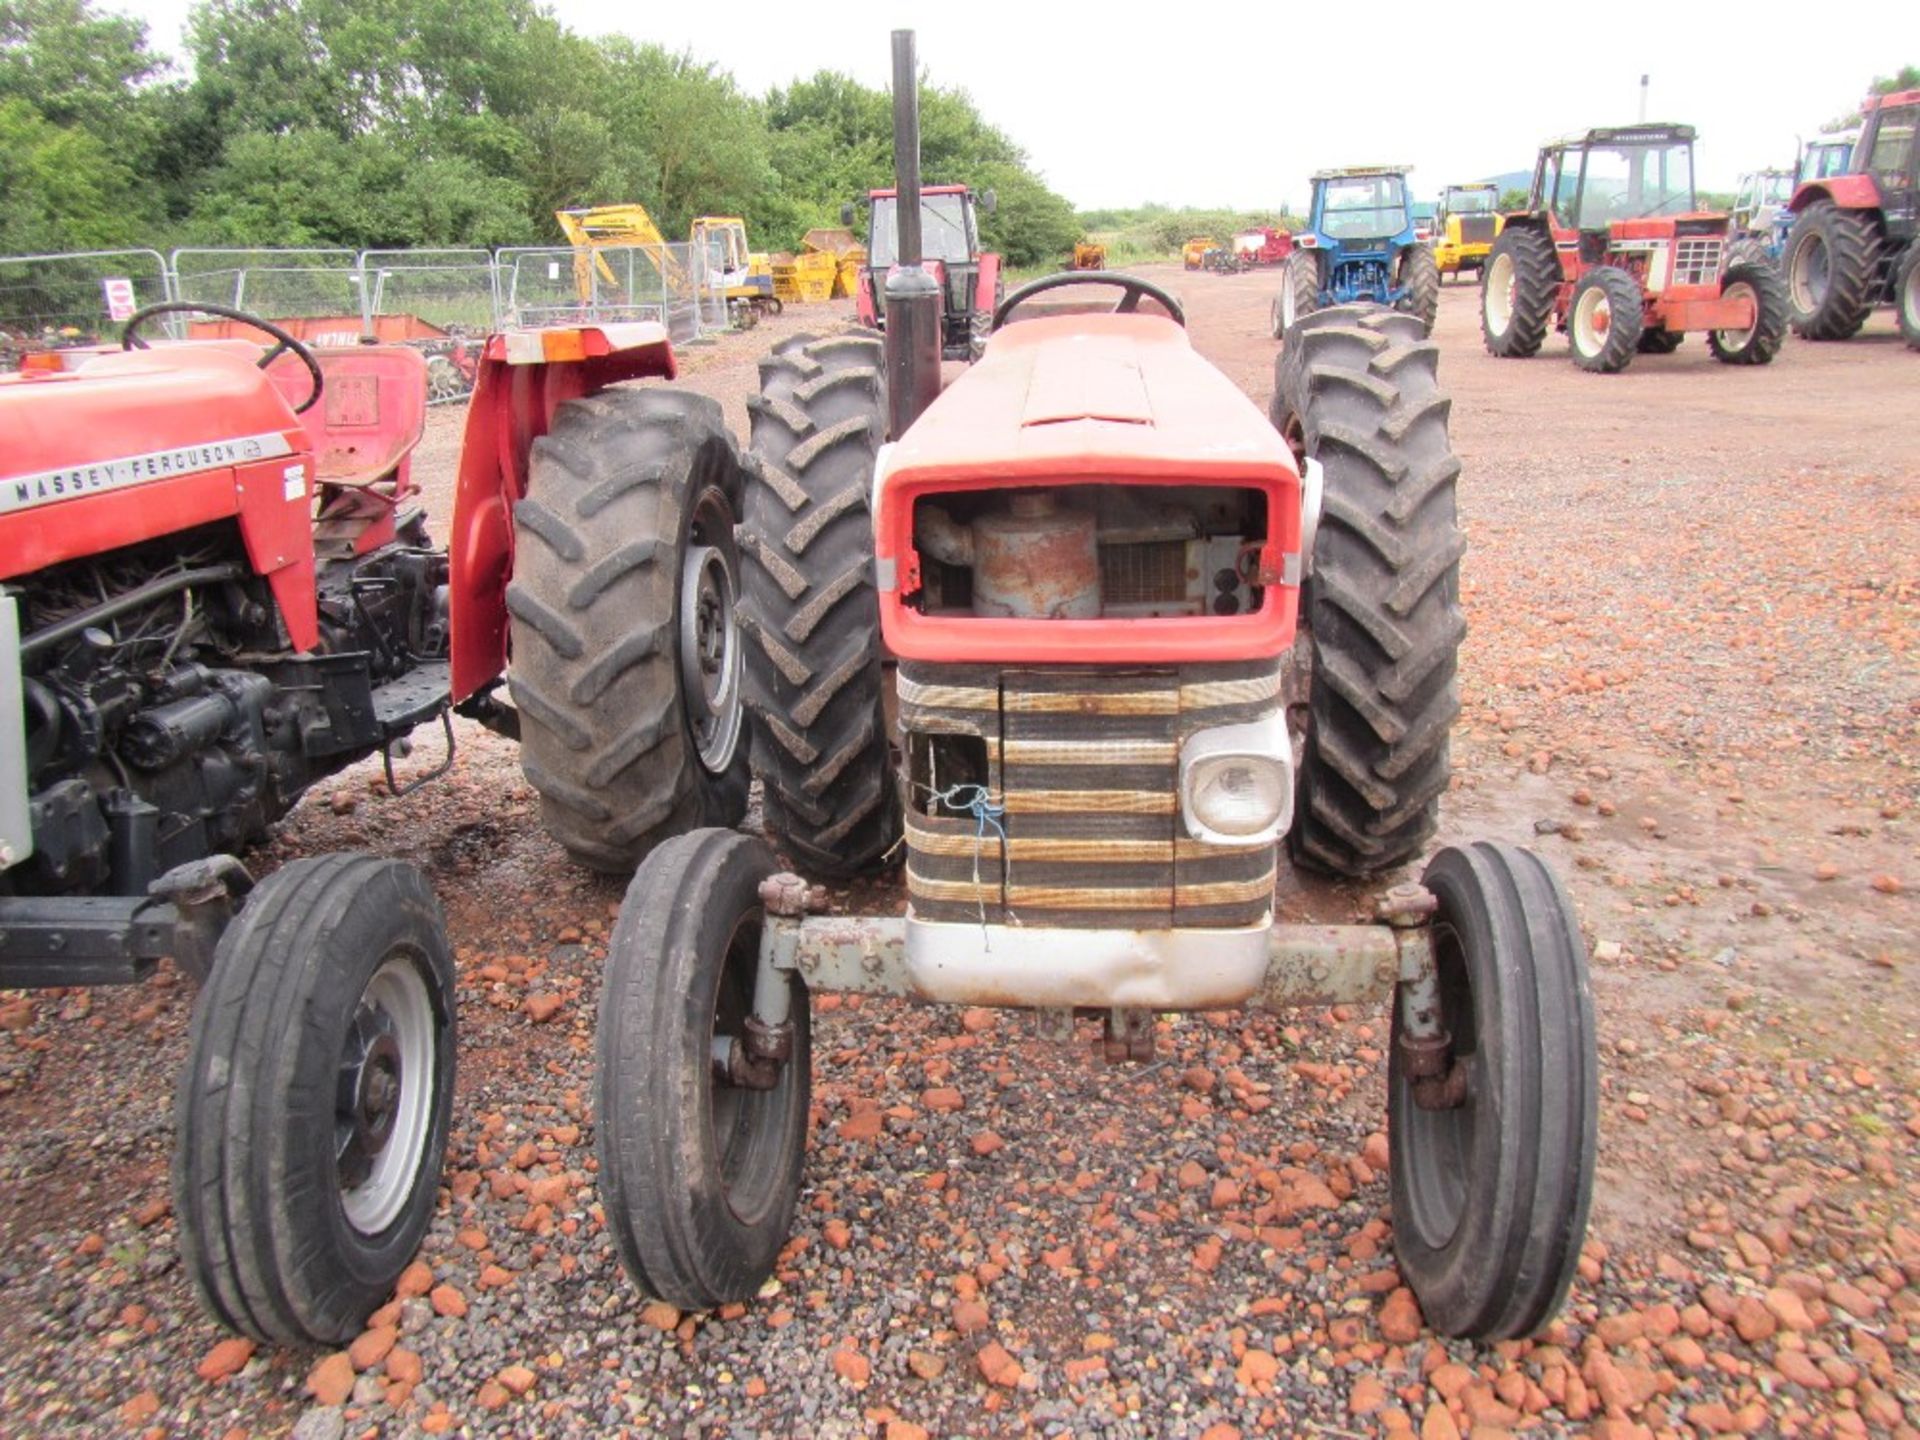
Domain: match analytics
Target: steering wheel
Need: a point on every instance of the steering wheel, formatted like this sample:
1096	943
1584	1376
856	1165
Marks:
1133	287
131	339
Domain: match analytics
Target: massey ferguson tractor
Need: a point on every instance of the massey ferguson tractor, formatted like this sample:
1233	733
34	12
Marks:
1361	245
968	277
216	590
1613	250
1089	560
1855	241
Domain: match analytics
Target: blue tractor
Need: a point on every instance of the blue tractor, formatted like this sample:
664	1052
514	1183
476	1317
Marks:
1361	243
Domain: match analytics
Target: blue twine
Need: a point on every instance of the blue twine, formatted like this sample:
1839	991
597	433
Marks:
977	802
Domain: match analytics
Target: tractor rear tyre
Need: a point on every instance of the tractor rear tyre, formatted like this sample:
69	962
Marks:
1605	320
1518	286
699	1170
1760	342
311	1119
1830	263
815	680
1357	390
1661	342
1906	294
1493	1181
1420	274
1299	293
626	654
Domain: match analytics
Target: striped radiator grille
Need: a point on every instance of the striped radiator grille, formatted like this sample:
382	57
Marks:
1085	767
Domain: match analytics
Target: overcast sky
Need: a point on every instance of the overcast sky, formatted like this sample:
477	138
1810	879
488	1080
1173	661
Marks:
1235	104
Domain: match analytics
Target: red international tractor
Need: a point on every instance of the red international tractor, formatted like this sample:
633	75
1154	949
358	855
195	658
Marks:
1081	570
967	276
1613	250
216	589
1855	241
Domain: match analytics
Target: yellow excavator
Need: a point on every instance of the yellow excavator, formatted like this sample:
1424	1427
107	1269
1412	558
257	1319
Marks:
744	278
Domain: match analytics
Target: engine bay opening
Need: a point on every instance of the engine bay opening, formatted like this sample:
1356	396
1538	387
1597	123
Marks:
1091	552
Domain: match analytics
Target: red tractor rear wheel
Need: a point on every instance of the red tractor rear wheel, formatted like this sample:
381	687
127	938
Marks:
1906	294
1518	286
1830	263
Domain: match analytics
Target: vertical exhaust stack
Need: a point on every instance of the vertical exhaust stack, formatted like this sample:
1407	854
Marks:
913	296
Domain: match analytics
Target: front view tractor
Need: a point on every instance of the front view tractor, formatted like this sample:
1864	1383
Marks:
1361	245
1613	249
1091	560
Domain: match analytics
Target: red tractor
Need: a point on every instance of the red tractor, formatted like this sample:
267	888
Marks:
1081	570
1613	250
216	589
1855	241
968	277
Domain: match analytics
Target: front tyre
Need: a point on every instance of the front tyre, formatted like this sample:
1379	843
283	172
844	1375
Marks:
1760	341
311	1118
1605	319
1357	388
1299	291
700	1174
1492	1176
1906	295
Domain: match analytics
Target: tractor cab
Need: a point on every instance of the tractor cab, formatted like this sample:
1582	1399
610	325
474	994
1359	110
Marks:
1762	196
969	277
1362	244
1831	156
1613	177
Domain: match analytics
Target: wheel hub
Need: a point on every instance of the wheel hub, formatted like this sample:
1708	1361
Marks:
710	657
369	1102
383	1096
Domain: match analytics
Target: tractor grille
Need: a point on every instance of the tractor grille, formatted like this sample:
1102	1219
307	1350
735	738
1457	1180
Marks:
1150	573
1696	260
1085	764
1476	229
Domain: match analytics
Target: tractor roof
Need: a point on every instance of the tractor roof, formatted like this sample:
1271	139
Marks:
1899	97
1347	172
890	193
1475	185
1648	134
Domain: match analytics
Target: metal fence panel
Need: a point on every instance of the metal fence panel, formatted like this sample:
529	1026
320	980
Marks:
452	290
562	285
60	299
275	284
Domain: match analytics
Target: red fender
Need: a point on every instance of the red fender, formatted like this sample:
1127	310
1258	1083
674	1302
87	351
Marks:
986	282
1849	192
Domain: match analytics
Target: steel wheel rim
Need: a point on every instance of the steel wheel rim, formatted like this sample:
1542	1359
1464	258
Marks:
1440	1143
743	1122
1287	312
1737	339
1592	319
1498	288
1810	273
383	1101
710	654
443	378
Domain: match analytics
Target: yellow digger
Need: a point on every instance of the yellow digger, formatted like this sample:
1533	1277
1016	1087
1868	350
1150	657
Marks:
746	279
1465	223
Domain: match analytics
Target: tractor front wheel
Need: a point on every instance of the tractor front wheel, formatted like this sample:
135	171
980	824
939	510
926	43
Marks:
1661	342
626	655
700	1157
1760	341
1420	278
1906	294
1518	286
311	1120
815	679
1357	388
1605	320
1830	263
1492	1143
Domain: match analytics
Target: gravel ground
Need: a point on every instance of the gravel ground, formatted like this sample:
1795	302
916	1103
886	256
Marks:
1691	680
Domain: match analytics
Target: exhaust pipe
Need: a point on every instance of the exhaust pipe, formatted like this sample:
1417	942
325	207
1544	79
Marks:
914	302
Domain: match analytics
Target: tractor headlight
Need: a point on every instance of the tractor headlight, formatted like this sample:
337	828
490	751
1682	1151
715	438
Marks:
1236	782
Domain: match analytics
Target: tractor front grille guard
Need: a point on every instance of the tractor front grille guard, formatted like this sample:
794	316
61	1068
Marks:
1697	259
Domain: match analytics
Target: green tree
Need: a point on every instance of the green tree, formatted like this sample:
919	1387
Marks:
64	189
1907	77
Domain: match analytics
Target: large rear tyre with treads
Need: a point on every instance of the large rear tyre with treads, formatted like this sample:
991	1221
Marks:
1906	294
310	1122
1830	264
815	679
1492	1177
1518	287
699	1172
626	663
1357	388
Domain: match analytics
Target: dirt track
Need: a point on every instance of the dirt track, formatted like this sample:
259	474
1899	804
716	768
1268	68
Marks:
1690	680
